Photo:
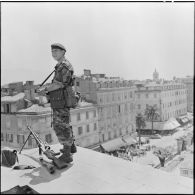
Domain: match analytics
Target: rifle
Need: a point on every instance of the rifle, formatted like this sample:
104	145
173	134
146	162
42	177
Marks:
38	89
45	149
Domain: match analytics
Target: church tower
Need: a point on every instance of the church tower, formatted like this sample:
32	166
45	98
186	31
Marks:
155	75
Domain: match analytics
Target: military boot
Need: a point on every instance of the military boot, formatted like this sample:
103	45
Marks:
66	154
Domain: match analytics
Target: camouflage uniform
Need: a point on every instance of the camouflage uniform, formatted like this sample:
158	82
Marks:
61	116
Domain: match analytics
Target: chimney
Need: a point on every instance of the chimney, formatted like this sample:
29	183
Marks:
87	72
29	84
30	94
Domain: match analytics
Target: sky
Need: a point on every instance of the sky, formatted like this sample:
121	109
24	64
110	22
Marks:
128	40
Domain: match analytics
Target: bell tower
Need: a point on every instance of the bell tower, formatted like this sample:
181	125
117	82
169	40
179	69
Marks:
155	75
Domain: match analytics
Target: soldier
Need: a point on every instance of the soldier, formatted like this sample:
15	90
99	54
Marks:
63	79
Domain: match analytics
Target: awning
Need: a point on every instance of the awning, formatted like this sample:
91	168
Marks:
183	119
170	124
113	144
167	125
129	140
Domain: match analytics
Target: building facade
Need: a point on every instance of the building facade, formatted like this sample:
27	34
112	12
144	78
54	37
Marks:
169	98
115	101
14	127
116	112
84	121
14	131
189	82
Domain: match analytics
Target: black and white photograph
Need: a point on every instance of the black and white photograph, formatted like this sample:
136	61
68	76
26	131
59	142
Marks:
97	97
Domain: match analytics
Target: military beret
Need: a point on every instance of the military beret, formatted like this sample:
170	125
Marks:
58	46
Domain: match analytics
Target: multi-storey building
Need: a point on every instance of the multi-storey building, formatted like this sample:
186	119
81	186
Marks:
11	104
170	99
189	82
84	121
116	111
115	102
14	130
14	121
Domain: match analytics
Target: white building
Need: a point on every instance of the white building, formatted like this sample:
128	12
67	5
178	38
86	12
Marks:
14	130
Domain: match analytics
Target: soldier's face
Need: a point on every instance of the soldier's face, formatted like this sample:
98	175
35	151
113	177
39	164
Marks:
57	54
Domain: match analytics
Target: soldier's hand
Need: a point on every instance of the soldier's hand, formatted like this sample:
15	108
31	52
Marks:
42	91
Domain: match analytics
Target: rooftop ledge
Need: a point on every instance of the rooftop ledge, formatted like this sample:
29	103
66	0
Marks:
93	172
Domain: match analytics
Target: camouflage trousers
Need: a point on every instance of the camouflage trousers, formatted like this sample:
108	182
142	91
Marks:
61	126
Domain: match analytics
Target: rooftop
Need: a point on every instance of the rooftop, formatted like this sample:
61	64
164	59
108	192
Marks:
13	98
35	108
84	104
94	172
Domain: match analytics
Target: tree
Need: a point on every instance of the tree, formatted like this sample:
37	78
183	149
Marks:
151	114
140	123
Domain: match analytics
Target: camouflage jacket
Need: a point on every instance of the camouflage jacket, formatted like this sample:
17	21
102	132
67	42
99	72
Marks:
63	75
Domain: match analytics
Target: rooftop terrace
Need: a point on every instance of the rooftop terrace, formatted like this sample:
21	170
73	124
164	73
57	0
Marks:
94	172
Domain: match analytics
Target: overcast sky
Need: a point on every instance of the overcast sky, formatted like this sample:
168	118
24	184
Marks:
127	39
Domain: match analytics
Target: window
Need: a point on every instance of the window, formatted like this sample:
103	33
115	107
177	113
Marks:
87	115
78	117
146	95
7	108
113	97
77	83
94	113
107	98
119	108
155	95
2	137
30	141
20	139
138	96
115	134
119	98
95	126
126	108
103	137
125	95
80	130
87	128
131	94
9	137
138	106
48	138
131	107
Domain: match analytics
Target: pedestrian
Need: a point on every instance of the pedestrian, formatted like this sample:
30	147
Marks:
162	160
60	94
